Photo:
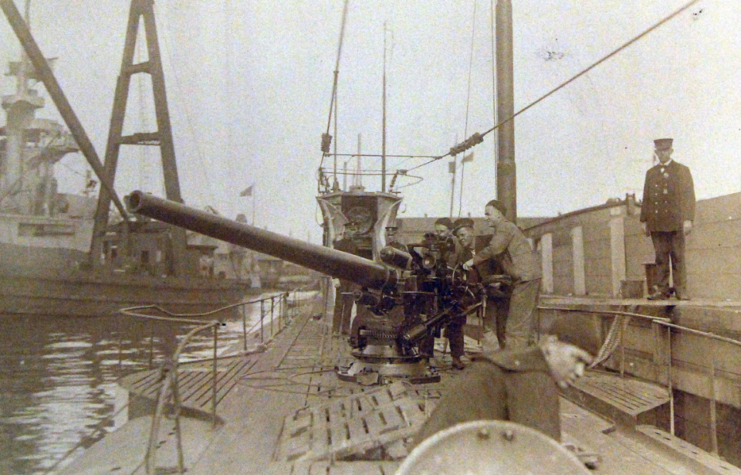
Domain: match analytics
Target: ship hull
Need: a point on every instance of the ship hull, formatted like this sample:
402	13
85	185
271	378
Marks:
42	272
88	294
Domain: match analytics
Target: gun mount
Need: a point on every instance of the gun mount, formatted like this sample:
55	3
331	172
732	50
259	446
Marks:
411	295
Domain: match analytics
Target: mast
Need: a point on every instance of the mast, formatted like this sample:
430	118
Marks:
452	169
45	74
358	179
21	109
28	185
506	167
383	141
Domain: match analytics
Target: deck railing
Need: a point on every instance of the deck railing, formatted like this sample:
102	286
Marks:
662	329
280	308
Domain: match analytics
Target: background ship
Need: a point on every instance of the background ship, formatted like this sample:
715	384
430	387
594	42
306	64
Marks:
61	255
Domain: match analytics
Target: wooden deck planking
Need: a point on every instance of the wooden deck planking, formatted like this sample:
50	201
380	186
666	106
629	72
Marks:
225	381
355	423
254	416
194	381
629	395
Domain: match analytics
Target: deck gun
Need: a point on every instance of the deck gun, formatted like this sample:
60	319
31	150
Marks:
410	296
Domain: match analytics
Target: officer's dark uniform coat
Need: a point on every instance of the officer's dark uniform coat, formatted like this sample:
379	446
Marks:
668	197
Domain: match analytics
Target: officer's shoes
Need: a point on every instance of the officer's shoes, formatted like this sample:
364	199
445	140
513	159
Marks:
658	296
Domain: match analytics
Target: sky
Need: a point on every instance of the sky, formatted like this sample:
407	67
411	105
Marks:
249	86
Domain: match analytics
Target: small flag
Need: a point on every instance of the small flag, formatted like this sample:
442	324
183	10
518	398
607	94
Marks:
467	158
451	167
247	191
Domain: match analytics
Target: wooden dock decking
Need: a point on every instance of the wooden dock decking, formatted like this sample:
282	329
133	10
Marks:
274	405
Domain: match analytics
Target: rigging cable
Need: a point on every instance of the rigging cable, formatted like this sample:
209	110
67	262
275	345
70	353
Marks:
569	81
143	125
468	104
326	138
167	36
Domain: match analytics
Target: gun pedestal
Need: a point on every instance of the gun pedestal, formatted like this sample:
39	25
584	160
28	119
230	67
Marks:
376	364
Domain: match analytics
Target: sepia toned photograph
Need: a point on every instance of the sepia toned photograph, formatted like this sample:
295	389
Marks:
370	237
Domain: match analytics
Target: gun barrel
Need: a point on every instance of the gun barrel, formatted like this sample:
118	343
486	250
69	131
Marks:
332	262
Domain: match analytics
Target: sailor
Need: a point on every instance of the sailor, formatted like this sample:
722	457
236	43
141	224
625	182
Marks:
488	273
515	385
667	213
463	230
444	231
443	227
344	300
513	251
453	331
392	238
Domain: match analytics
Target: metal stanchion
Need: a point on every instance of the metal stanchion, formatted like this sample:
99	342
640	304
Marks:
272	315
668	347
713	412
281	307
622	348
151	343
262	314
120	345
244	327
215	364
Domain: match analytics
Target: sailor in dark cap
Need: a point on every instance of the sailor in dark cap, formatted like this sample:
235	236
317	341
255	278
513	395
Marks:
452	257
444	231
513	251
667	213
463	230
454	330
488	272
392	238
443	226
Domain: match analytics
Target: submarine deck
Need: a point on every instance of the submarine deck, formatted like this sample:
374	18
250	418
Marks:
294	377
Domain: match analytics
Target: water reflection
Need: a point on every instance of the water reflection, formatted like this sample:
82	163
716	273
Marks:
57	378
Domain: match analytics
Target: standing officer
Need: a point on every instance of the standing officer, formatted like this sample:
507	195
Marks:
511	248
667	213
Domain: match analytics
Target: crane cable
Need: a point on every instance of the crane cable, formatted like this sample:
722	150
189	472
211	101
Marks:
478	136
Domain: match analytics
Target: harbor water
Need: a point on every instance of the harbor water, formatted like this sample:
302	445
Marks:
58	377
